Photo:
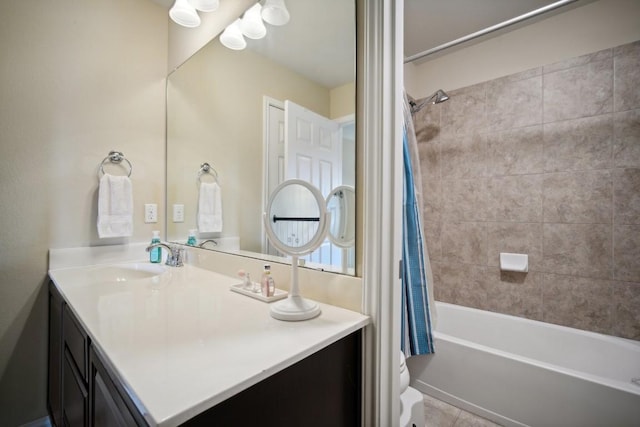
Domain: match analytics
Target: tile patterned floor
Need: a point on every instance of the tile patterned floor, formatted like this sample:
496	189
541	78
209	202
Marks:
441	414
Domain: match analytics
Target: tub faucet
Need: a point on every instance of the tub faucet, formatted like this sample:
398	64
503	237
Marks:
174	255
208	241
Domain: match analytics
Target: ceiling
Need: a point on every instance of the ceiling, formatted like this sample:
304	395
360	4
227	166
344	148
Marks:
313	42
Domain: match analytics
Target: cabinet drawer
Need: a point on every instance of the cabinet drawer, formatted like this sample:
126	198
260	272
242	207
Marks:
76	341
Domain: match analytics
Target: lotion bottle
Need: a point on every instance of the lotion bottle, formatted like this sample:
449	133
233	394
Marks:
268	285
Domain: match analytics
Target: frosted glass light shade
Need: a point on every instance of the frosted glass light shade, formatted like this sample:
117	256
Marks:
205	5
275	12
251	24
232	36
182	13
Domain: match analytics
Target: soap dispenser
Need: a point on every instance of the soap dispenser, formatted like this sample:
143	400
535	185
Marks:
155	254
191	240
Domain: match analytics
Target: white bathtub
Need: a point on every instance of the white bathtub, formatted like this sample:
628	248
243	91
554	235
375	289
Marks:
519	372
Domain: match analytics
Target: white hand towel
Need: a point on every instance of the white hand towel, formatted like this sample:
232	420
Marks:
115	207
210	208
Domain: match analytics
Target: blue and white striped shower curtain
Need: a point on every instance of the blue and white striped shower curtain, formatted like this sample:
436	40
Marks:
417	337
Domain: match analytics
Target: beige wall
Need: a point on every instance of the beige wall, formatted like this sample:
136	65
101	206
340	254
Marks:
215	115
595	26
343	101
78	78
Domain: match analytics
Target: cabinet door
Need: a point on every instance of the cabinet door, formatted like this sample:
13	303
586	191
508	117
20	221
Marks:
108	407
55	356
74	400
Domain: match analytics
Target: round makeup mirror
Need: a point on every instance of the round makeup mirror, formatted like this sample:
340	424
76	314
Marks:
341	205
296	223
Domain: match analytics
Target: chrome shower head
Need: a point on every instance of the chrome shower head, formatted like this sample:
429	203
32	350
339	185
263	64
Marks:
438	97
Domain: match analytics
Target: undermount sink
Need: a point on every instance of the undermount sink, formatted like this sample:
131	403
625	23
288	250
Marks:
126	272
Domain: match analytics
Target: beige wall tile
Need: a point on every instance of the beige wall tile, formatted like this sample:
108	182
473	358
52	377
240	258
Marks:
626	310
432	235
514	237
429	153
566	192
577	249
432	199
626	196
427	123
516	198
463	156
578	61
627	76
626	252
464	199
626	140
514	104
515	152
581	91
578	302
465	111
578	144
518	294
464	242
578	197
466	284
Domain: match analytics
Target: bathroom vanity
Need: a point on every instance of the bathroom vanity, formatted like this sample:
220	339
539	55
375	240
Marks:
143	344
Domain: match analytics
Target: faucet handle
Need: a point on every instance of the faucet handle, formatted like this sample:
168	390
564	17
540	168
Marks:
174	258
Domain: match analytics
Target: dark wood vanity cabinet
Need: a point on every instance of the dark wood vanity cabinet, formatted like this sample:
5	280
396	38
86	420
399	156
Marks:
324	389
108	406
81	392
54	386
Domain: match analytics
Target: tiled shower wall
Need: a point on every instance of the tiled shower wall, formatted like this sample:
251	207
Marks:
544	162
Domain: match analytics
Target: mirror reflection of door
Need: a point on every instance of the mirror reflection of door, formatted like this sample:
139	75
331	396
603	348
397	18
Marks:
304	145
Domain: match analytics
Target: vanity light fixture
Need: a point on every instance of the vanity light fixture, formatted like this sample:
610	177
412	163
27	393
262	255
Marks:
251	24
232	36
275	12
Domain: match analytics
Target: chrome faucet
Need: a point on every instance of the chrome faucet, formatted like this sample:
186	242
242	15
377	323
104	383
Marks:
174	255
208	241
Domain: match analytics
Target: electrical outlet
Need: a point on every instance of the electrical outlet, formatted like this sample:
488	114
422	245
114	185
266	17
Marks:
150	212
178	213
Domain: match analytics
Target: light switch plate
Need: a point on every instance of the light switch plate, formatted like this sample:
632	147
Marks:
150	213
178	213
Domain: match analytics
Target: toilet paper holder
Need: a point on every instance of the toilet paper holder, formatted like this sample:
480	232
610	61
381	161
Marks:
514	262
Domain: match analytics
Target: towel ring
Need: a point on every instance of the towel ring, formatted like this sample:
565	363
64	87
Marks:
206	168
115	157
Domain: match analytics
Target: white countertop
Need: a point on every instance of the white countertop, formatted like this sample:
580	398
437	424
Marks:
182	342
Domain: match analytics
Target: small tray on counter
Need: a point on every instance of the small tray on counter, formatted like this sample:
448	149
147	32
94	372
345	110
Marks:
279	294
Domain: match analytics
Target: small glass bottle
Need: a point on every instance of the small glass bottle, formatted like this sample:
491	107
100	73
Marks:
155	254
268	285
191	240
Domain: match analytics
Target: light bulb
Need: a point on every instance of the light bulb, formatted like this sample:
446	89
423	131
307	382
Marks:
275	12
184	14
251	24
205	5
232	38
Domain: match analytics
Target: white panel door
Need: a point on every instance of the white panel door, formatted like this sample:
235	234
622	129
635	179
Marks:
313	152
275	166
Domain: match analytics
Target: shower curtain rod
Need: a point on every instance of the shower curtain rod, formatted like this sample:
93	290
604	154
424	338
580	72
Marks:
489	30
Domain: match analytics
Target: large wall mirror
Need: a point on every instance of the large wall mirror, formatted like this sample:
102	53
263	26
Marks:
241	122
